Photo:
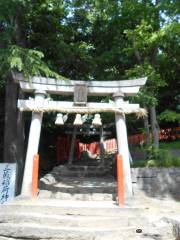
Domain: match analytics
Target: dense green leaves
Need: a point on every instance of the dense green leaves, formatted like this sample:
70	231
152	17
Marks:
169	116
93	39
24	60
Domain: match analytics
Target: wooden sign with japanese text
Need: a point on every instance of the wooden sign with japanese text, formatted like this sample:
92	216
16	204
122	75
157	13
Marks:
7	181
80	94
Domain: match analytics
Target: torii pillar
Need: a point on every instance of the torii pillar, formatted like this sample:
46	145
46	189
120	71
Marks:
33	144
122	142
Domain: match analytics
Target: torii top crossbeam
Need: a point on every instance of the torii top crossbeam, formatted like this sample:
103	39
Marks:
66	87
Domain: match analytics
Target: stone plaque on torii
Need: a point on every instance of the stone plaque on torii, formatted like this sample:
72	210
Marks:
41	86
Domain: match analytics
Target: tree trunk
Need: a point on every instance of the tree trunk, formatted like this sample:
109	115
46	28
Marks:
136	52
14	124
154	126
146	126
14	130
154	123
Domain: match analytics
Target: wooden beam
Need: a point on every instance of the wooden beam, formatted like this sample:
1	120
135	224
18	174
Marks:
72	147
80	95
66	87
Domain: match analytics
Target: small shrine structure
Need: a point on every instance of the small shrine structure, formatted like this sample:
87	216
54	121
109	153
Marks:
40	104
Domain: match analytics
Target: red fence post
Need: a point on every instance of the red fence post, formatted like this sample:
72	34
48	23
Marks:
35	176
120	180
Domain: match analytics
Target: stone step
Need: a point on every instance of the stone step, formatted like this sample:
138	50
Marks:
80	167
77	196
81	171
76	208
89	163
96	189
36	231
77	220
55	220
81	181
78	189
78	185
82	190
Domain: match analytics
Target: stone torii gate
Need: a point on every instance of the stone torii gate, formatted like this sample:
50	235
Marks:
41	86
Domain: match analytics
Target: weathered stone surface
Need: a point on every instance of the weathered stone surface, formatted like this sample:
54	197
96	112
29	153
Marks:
89	183
69	208
74	220
175	221
39	231
159	182
53	219
84	207
83	181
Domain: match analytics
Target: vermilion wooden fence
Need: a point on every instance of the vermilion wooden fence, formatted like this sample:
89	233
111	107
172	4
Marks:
110	145
136	139
169	134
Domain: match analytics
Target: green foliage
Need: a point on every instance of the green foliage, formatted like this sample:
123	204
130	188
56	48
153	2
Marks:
145	38
169	116
170	145
27	61
20	22
164	161
161	158
95	39
147	96
154	42
142	37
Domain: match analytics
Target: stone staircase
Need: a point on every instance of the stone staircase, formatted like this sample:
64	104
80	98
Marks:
84	180
78	202
78	220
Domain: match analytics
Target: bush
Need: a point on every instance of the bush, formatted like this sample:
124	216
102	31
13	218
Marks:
158	158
